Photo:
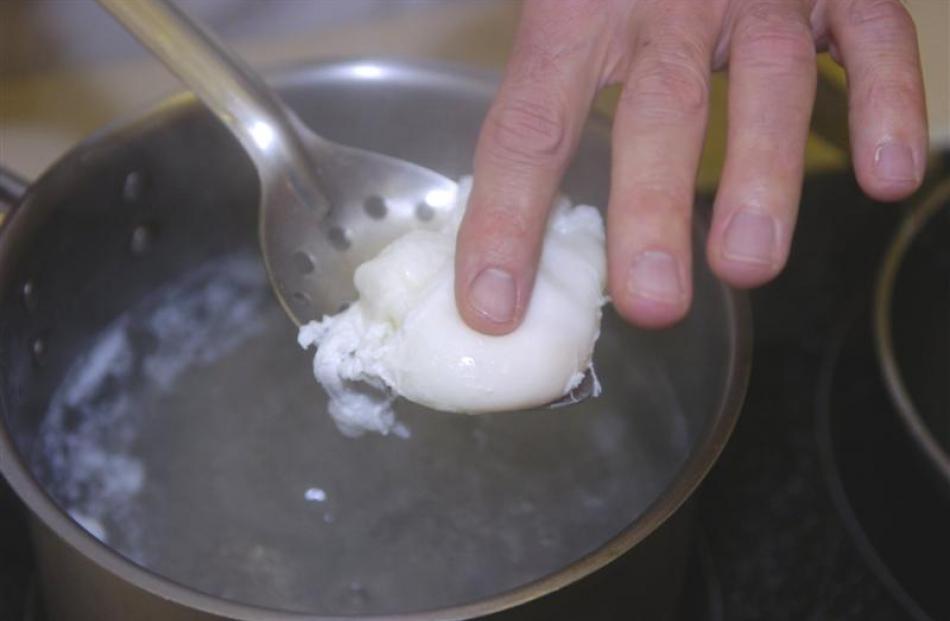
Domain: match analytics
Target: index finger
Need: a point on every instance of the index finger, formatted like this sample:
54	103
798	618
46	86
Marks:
524	147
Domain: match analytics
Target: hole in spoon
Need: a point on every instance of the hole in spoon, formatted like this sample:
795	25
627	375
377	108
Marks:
301	302
339	238
303	262
424	212
38	348
142	238
133	187
29	295
375	207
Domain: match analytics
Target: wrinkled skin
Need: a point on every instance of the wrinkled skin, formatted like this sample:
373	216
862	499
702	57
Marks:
662	52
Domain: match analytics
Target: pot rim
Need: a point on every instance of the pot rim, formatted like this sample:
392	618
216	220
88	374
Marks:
706	451
906	234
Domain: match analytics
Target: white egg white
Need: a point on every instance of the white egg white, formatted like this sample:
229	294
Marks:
404	336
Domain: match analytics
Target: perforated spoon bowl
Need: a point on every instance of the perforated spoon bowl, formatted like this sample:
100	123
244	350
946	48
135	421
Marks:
325	208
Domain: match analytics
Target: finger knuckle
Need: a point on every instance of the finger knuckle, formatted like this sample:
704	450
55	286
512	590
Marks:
528	132
884	24
670	84
670	200
892	90
504	235
660	209
879	13
774	40
508	223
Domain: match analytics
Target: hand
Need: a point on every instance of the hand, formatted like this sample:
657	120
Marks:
663	51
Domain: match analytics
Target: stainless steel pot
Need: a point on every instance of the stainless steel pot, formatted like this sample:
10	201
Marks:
882	442
130	291
912	328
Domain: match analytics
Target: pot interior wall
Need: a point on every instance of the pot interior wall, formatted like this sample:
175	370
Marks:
921	323
154	388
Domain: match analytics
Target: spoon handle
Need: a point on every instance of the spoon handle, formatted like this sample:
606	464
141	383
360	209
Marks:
238	97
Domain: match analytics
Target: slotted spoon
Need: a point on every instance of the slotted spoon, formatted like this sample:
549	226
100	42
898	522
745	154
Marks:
325	208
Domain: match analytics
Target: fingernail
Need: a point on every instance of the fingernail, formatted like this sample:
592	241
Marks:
655	275
492	294
894	161
750	238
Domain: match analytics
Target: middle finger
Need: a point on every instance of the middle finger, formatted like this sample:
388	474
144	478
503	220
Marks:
658	137
772	77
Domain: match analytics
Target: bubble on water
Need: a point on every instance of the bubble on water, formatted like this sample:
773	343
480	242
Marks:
356	595
141	240
133	187
315	494
29	295
400	430
39	350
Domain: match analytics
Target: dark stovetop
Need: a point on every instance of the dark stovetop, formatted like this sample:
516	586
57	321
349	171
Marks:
779	547
16	580
771	544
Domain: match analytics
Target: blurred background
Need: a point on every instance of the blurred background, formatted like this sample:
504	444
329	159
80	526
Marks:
66	68
774	541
